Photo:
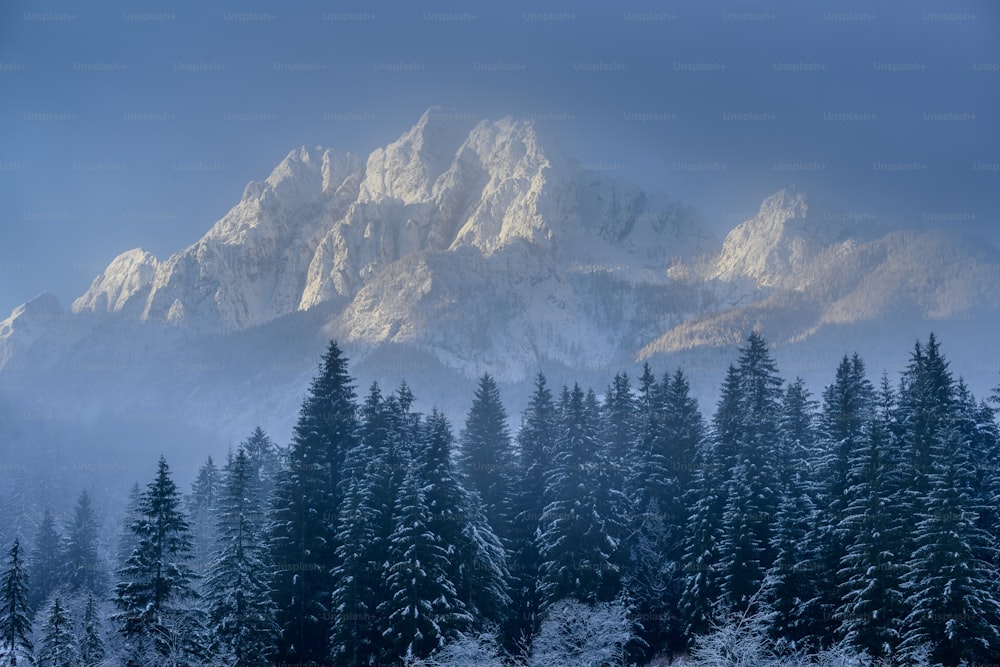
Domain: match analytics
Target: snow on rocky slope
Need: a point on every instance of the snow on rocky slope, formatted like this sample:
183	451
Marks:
324	225
469	247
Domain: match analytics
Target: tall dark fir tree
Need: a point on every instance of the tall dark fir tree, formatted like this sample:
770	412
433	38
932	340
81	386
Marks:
791	577
536	443
486	458
237	590
714	462
872	605
661	478
15	615
374	471
83	569
58	646
847	408
92	651
479	560
202	507
578	551
306	503
753	490
155	588
264	459
45	564
422	610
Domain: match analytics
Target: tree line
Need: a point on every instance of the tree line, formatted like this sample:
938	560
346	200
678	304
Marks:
866	519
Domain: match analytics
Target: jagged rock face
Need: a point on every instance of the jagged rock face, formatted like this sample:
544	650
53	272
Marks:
250	267
38	320
478	247
324	225
776	247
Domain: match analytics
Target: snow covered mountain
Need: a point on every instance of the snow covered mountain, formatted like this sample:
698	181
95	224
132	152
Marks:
324	225
467	247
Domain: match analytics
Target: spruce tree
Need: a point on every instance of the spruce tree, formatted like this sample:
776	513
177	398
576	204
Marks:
154	593
45	565
375	469
57	646
202	507
264	459
684	428
727	422
648	469
15	614
701	564
952	589
460	519
702	578
486	459
979	425
872	607
620	429
578	550
240	608
128	540
747	548
83	569
926	401
536	442
423	610
305	507
847	404
356	633
91	645
792	582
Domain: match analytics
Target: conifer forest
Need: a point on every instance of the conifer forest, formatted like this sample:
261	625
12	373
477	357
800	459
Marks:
622	525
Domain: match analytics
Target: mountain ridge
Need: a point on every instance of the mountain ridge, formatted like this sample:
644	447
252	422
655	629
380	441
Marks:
478	246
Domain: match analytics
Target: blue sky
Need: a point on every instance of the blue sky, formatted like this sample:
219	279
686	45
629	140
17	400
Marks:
138	123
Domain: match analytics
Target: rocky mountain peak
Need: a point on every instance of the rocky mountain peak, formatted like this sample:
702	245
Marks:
127	275
773	248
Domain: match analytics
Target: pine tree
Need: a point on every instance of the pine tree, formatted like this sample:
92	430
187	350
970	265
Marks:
664	461
611	505
847	404
83	571
305	507
45	566
202	507
684	428
926	401
375	469
239	604
15	614
91	645
423	610
358	575
871	608
578	553
700	566
620	429
747	548
57	647
979	425
792	582
128	540
536	442
727	423
264	459
486	460
648	467
952	590
155	590
458	517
